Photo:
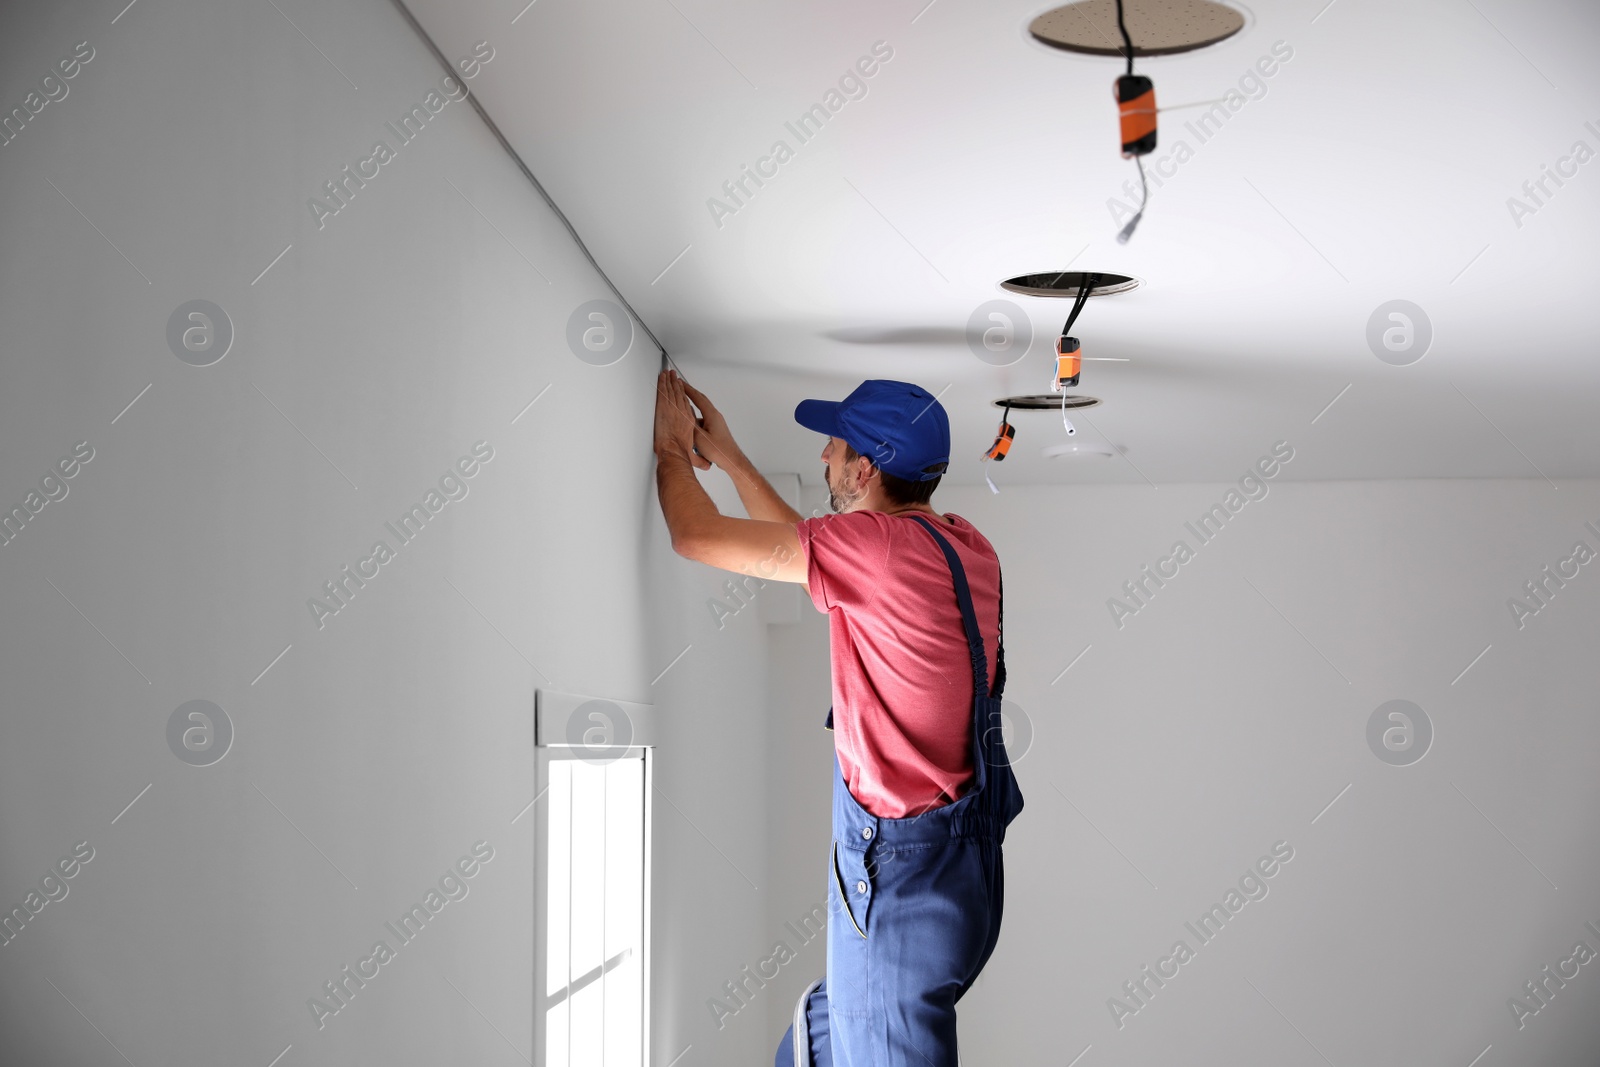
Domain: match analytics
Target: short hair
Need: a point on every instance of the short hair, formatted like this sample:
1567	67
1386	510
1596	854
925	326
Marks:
899	490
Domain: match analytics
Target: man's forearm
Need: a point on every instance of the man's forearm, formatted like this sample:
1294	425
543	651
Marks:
685	504
760	500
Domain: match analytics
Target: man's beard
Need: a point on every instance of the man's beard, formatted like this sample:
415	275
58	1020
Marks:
837	501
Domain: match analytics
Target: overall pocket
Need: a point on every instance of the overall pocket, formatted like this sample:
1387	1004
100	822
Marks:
849	951
853	885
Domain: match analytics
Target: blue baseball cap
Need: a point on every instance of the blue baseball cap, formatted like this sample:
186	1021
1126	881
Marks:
902	428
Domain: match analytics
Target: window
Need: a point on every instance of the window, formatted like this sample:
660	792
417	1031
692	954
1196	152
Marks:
591	884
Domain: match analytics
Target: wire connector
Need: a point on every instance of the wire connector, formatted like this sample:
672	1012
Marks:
1069	363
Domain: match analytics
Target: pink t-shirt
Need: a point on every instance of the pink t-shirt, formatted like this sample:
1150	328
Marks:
902	673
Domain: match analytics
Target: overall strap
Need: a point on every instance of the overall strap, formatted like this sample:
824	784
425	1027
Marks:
1000	637
969	618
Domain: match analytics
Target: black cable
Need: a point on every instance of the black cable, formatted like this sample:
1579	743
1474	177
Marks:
1144	190
1077	304
1123	26
1088	282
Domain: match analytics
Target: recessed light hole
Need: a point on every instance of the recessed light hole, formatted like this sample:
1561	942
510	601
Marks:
1067	283
1157	27
1046	402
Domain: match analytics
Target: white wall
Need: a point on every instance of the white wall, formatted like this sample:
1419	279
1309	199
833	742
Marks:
1181	747
711	842
422	318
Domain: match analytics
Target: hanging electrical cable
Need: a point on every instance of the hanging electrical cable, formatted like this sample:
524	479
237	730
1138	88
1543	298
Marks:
1127	42
1069	352
1085	283
1144	198
1136	105
1066	423
1002	444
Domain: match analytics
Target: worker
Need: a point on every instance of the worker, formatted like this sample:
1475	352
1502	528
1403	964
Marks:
922	787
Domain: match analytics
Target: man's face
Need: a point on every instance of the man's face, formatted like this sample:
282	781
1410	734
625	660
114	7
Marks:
844	490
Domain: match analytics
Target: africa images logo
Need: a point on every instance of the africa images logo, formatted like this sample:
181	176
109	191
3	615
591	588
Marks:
852	85
341	590
453	885
343	187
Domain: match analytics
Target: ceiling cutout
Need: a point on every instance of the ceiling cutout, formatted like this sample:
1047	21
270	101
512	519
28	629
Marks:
1046	402
1157	27
1067	283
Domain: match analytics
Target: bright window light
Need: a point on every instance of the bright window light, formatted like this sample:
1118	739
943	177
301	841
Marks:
593	895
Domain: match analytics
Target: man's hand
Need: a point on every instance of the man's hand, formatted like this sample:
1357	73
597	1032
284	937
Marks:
675	422
767	544
715	443
712	436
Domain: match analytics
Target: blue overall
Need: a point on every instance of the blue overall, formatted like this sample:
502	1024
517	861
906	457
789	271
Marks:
913	903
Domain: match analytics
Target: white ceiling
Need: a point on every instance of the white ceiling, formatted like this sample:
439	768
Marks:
1377	165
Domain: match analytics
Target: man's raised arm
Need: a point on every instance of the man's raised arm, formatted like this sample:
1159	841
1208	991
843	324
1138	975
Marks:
764	548
714	441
